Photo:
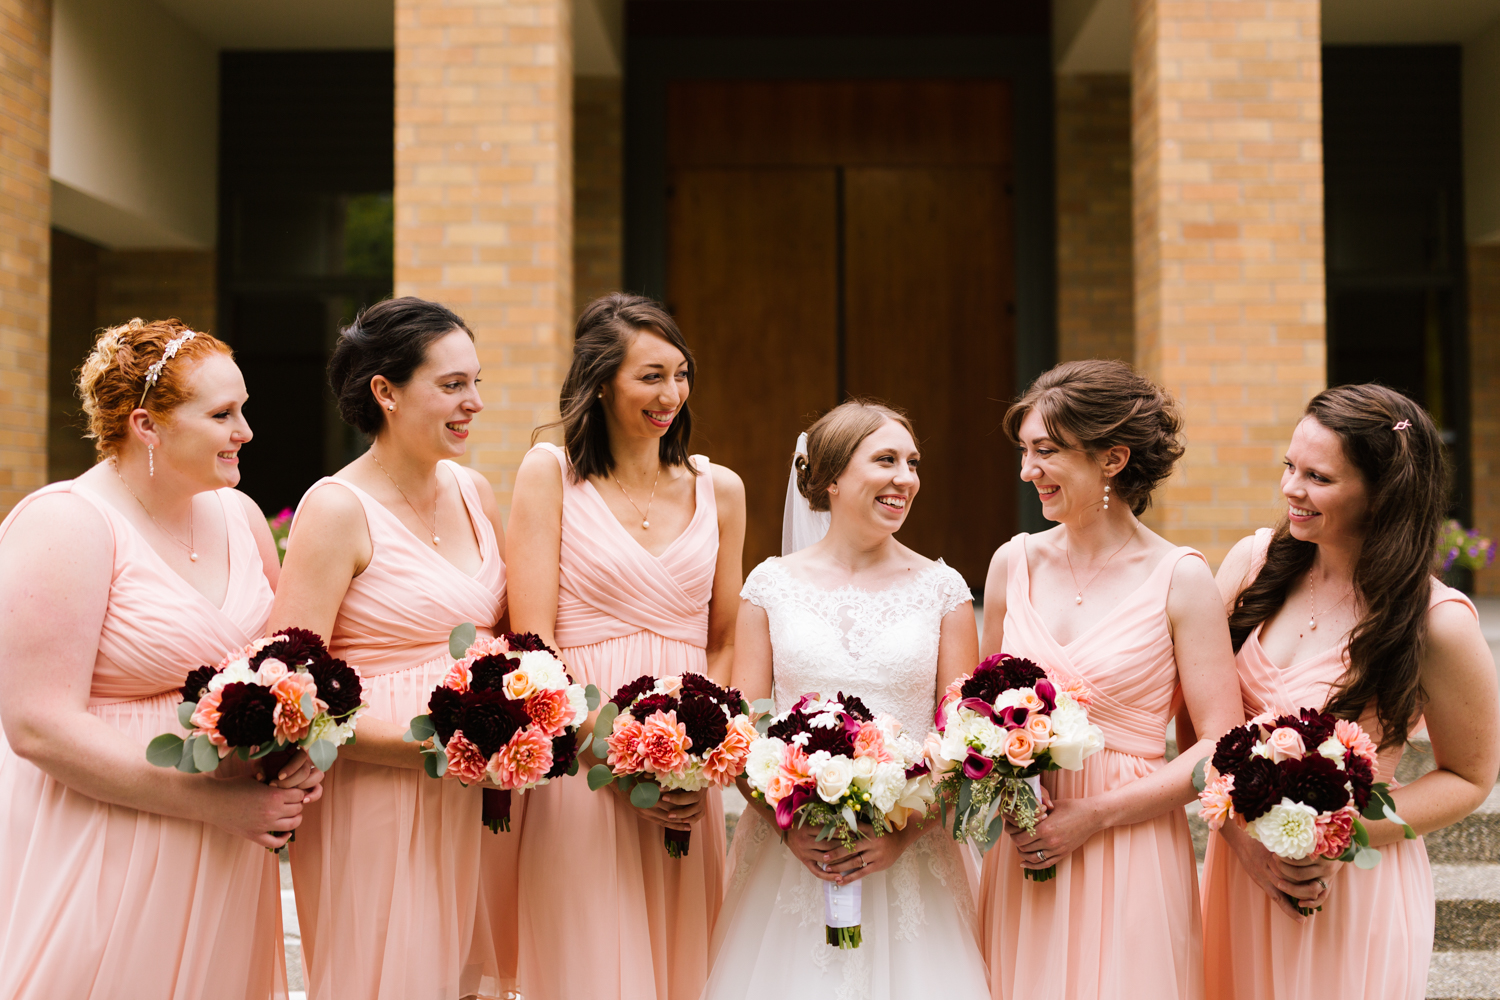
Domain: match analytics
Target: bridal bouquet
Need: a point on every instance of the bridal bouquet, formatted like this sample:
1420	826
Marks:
998	730
277	694
1299	784
835	765
679	733
507	715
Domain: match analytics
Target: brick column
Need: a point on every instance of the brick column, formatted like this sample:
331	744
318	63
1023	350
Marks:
1228	191
484	198
25	219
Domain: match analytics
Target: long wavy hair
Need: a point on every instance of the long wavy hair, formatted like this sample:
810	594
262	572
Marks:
1407	484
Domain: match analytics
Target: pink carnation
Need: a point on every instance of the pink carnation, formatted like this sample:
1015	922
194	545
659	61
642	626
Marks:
1214	804
525	760
1335	830
486	645
550	711
206	718
625	746
871	743
726	761
458	676
465	762
291	722
664	743
1355	738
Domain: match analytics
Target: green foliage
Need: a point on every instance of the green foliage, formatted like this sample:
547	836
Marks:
460	639
165	750
421	729
645	795
322	753
599	776
1465	547
369	234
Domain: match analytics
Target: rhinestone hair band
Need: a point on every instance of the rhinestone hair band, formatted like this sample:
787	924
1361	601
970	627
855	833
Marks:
154	372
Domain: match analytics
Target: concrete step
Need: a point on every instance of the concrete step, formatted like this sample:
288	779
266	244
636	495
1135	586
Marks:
1468	907
1464	975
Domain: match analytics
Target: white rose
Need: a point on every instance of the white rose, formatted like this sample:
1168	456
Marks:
887	786
1011	698
578	701
763	761
1289	830
1074	738
953	743
864	770
890	727
833	776
238	672
1333	750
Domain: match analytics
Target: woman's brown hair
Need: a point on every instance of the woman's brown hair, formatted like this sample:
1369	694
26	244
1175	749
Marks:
112	381
1107	404
832	442
1406	480
605	331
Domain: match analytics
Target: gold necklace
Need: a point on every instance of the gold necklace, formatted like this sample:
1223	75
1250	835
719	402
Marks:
1312	607
431	530
191	544
646	517
1068	552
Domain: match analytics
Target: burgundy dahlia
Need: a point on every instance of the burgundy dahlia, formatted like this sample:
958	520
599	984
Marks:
651	704
1257	787
630	692
197	681
855	707
297	648
526	642
246	714
698	684
794	723
445	708
1020	672
338	685
1315	781
1361	778
705	722
1232	749
488	724
488	672
564	751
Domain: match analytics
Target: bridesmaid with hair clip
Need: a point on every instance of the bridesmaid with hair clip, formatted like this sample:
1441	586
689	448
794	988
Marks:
1338	609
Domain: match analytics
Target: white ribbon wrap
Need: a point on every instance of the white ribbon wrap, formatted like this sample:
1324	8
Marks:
841	904
801	526
1035	781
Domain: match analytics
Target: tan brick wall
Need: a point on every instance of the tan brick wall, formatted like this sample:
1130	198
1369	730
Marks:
1095	279
599	188
484	198
1484	402
25	217
1229	304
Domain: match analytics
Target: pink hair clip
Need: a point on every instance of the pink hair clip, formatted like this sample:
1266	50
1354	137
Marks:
1401	426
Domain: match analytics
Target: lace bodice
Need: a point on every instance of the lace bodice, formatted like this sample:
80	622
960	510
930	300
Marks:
880	645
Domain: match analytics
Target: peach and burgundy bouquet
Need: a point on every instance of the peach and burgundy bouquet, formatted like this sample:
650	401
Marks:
998	730
1299	784
506	716
275	695
837	766
680	733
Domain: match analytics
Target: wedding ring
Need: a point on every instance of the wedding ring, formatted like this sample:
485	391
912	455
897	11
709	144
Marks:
1322	883
863	864
1041	857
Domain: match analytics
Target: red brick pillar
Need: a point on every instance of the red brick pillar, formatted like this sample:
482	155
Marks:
25	247
1229	287
484	198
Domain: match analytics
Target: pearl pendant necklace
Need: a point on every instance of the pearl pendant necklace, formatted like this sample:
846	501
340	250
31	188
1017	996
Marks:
191	544
431	529
645	517
1078	598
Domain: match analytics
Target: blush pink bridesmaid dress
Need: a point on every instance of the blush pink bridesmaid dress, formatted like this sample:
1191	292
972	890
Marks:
1120	920
1373	937
386	866
102	901
605	912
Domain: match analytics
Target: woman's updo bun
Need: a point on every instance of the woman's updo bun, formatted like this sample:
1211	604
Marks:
390	338
113	376
832	442
1096	405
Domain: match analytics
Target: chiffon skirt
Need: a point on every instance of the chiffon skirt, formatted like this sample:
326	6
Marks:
1119	922
917	922
386	869
101	901
1372	939
606	913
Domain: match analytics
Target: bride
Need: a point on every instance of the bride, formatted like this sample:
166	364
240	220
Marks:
856	612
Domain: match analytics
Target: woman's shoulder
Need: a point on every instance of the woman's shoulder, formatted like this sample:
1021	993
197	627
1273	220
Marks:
764	581
60	512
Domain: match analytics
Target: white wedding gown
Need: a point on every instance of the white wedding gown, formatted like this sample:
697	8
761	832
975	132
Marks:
918	919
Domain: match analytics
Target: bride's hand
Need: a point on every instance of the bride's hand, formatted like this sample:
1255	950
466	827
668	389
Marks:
805	846
871	854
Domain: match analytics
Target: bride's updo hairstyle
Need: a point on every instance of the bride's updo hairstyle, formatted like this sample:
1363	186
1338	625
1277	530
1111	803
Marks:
1396	448
606	329
1097	405
113	377
389	338
832	442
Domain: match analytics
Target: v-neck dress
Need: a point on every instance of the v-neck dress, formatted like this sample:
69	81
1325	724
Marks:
1373	937
1120	920
103	901
386	865
607	914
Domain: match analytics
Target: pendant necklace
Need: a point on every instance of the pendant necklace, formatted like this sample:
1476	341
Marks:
646	517
431	530
1068	553
191	544
1312	608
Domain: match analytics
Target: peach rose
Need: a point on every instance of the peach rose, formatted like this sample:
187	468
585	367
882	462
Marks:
1019	747
206	718
779	787
291	722
1040	728
270	671
726	761
1032	702
932	751
1214	805
519	685
1355	738
671	685
664	743
1285	744
550	710
525	760
1334	832
871	742
625	746
458	676
465	762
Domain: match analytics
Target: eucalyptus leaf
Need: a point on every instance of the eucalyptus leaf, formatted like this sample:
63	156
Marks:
997	827
599	776
185	714
1361	835
1200	775
1367	858
573	767
205	754
1379	799
850	818
430	764
645	795
308	708
262	751
627	782
460	639
591	697
186	765
165	750
1390	814
965	796
762	724
763	705
601	748
604	722
421	729
322	754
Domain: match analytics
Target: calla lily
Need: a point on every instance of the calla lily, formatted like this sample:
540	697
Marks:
978	706
977	765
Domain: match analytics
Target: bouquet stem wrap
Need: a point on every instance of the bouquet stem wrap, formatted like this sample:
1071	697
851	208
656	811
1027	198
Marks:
497	809
1034	782
841	914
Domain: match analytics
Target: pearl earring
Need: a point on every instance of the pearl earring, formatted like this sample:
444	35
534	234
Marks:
151	458
391	407
1106	496
834	490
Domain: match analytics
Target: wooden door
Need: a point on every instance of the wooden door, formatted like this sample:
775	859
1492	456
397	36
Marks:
849	237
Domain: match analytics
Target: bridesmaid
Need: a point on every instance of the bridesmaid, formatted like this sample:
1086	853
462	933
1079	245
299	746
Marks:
386	558
1338	608
117	877
626	559
1105	600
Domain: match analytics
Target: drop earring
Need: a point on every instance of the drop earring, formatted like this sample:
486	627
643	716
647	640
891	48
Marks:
151	458
1106	496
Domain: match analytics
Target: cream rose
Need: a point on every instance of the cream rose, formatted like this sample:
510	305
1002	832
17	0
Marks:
833	776
1286	744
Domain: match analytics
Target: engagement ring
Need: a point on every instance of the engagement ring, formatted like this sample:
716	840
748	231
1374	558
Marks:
1040	857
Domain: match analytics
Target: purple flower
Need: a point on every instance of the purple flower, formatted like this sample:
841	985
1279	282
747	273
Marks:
976	765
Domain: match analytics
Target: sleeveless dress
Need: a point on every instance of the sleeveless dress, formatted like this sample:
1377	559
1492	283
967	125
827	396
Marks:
1121	919
608	914
917	918
1373	937
386	866
100	900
